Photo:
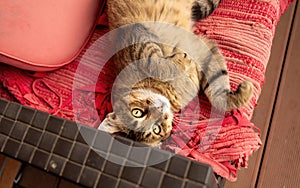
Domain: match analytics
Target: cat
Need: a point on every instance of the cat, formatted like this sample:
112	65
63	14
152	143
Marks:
157	79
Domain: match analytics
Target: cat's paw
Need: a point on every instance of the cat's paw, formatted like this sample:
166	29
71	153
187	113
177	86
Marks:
202	8
244	92
180	57
246	88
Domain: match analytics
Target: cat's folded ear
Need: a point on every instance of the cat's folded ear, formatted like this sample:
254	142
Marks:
111	124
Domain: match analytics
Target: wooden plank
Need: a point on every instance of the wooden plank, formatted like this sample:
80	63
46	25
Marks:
3	162
29	178
281	162
10	172
262	114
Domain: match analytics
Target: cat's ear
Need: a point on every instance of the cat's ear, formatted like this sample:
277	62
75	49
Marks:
111	124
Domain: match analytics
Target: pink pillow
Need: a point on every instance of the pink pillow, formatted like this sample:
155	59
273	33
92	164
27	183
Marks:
42	35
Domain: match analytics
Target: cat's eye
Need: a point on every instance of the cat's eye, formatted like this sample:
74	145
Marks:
156	129
138	113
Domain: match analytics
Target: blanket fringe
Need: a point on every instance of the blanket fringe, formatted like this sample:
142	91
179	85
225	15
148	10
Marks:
225	144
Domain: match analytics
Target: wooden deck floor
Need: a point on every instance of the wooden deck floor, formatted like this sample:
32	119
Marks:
8	171
277	163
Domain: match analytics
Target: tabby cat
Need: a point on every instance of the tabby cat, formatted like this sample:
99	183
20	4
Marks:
158	79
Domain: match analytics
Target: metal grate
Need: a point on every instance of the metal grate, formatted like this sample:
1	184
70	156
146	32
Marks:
90	157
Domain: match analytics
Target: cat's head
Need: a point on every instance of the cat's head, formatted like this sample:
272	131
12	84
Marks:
142	115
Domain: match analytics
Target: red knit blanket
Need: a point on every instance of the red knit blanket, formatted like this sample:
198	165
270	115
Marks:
244	30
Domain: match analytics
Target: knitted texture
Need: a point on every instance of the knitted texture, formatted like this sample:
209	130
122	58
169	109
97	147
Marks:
244	31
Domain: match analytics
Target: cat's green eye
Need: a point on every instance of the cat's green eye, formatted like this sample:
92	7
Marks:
137	113
156	129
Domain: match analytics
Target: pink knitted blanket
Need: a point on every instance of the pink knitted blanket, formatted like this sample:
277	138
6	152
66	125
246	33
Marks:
244	30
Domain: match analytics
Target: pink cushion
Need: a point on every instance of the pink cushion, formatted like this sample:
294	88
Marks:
43	35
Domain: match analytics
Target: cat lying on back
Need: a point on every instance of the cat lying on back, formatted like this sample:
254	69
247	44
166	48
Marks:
144	110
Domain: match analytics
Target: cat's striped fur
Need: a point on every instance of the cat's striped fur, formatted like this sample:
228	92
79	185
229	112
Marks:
145	110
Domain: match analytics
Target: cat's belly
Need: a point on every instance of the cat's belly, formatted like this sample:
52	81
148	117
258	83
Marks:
186	89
